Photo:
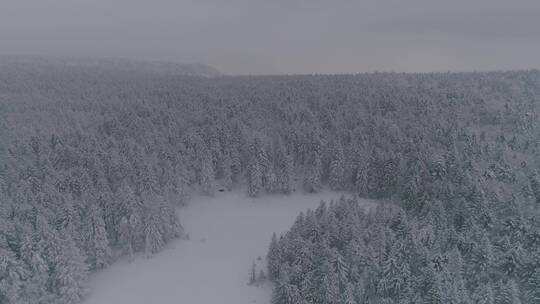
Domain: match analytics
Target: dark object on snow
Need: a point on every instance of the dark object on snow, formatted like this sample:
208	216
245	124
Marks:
221	190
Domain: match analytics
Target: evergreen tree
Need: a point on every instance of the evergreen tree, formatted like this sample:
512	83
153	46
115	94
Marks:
435	293
284	164
284	292
273	258
534	181
227	173
252	274
12	276
337	168
261	278
254	178
483	294
361	180
509	293
126	238
533	281
348	296
97	243
313	173
69	271
395	271
32	255
153	238
207	176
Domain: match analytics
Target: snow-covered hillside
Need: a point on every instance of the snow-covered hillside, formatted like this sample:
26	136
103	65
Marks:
226	233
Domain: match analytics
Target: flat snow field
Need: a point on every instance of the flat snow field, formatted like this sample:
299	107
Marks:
226	233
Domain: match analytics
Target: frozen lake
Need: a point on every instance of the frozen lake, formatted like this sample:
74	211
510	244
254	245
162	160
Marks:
227	232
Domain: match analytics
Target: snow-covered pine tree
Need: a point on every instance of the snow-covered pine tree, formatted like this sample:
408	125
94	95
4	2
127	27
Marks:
268	177
261	277
509	293
361	179
284	168
95	237
207	175
254	178
313	173
35	288
336	167
273	258
125	238
252	274
182	188
483	294
153	238
227	174
13	274
435	292
130	209
533	281
254	172
69	272
347	297
534	180
285	292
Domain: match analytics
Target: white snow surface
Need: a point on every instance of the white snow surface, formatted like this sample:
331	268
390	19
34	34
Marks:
227	233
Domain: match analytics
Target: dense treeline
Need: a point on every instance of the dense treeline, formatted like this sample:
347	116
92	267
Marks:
342	254
462	219
93	162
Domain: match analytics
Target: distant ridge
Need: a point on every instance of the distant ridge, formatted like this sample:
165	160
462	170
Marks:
113	64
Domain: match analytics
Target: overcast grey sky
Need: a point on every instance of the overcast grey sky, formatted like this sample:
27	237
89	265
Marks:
283	36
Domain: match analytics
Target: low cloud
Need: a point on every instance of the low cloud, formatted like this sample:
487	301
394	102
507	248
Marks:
280	36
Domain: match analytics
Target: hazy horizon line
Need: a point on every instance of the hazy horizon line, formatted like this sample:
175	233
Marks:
152	61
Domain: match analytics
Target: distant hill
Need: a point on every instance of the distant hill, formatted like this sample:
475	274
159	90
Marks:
111	64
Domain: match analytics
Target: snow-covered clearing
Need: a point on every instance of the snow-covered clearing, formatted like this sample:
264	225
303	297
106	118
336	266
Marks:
227	232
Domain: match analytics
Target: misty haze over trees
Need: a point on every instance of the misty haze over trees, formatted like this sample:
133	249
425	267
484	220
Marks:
94	160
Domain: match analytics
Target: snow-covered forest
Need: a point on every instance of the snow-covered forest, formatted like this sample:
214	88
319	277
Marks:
93	163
